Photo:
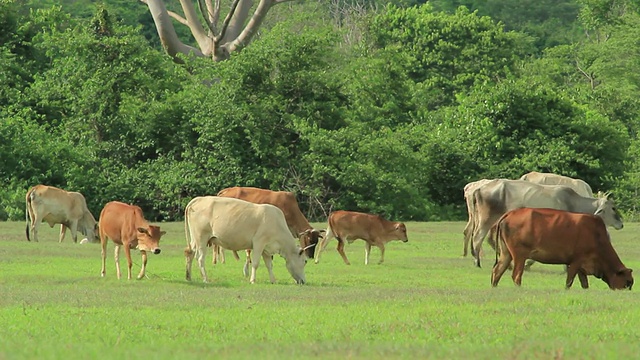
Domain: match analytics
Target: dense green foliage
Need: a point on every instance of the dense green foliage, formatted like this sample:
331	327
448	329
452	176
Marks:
388	109
423	302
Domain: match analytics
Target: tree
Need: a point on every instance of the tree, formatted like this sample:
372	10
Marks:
215	39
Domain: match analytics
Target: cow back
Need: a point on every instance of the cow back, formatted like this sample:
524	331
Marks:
120	221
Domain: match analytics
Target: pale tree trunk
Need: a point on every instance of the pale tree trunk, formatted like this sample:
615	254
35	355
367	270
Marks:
215	39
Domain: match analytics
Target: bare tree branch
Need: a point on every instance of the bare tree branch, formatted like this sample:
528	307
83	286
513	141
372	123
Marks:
174	15
205	15
216	14
252	26
204	42
227	19
167	32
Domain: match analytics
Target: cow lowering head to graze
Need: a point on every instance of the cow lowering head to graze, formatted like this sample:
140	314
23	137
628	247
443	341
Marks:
126	226
494	199
285	201
239	225
580	186
551	236
57	206
373	229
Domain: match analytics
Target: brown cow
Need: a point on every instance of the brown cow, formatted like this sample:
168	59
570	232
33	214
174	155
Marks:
285	201
57	206
373	229
126	226
551	236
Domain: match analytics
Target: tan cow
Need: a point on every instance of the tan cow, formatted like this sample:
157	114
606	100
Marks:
285	201
126	226
580	186
468	199
373	229
550	236
57	206
240	225
497	197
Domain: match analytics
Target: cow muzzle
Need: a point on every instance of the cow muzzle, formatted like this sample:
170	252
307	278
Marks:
156	251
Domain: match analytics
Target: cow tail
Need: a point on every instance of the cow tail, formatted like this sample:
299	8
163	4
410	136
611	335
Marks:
27	217
497	236
187	231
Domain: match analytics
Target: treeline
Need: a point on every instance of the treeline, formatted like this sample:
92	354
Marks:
384	109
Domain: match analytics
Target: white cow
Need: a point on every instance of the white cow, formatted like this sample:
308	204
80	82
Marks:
580	186
57	206
239	225
494	199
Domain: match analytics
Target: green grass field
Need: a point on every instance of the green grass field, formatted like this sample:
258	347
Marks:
425	301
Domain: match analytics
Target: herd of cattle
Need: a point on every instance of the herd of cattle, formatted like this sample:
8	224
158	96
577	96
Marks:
541	217
262	222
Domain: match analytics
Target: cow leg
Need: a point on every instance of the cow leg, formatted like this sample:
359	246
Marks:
188	257
518	269
467	237
127	253
144	264
478	236
323	244
116	257
34	227
344	256
582	276
247	263
367	252
268	263
103	245
200	255
63	232
255	261
500	267
381	246
572	271
74	231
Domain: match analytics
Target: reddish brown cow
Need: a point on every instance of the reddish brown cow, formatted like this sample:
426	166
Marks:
126	226
551	236
373	229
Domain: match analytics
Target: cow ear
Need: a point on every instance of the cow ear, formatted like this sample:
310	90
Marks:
142	230
598	211
162	233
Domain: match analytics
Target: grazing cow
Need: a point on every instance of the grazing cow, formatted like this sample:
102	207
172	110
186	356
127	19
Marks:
373	229
468	197
285	201
580	186
57	206
239	225
126	226
551	236
497	197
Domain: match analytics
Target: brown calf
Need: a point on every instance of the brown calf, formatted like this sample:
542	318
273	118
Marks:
550	236
125	225
351	226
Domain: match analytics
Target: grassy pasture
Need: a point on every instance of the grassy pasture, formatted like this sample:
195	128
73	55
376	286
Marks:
425	301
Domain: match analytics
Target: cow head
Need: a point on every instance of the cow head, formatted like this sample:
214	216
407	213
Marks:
295	265
620	280
401	232
309	239
149	238
607	211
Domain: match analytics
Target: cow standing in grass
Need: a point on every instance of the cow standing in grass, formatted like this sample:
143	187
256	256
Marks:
126	226
550	236
57	206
